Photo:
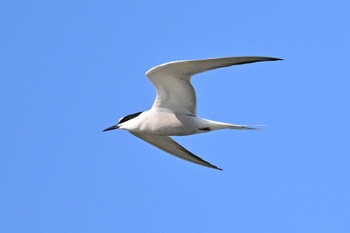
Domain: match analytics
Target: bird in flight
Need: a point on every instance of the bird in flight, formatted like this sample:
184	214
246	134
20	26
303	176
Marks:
174	111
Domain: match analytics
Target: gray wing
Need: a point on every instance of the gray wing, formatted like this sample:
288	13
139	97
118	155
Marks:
167	144
173	80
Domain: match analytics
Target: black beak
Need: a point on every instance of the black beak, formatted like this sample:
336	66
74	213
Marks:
111	128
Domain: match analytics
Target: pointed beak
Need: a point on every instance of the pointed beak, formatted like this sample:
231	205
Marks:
111	128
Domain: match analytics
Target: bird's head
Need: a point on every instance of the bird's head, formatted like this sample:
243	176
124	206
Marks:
122	121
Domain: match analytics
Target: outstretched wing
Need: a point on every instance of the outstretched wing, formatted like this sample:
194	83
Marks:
167	144
173	80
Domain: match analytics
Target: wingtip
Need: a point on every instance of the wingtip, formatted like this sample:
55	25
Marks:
274	59
278	59
215	167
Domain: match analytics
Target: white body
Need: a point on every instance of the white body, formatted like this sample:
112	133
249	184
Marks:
166	123
174	111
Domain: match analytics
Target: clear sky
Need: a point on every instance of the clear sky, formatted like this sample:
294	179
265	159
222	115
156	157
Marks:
69	69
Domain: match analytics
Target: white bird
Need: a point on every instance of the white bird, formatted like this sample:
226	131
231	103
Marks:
174	111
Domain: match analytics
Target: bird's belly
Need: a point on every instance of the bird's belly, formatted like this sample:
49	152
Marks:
169	124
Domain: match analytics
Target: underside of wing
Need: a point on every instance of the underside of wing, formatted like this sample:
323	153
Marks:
173	80
167	144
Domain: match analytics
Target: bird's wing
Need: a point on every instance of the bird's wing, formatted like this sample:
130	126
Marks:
167	144
173	80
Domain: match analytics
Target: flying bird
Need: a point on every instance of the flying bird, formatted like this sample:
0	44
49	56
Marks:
174	111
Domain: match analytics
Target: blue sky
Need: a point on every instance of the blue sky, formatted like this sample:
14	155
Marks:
72	68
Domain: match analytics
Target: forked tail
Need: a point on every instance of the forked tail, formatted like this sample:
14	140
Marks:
215	125
232	126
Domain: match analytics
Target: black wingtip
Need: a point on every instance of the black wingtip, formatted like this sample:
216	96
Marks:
274	59
215	167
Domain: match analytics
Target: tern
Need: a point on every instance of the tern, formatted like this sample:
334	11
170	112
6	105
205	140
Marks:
174	111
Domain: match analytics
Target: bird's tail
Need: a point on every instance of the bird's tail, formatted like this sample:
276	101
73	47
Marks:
215	125
241	127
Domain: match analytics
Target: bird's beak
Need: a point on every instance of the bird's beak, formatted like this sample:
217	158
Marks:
111	128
